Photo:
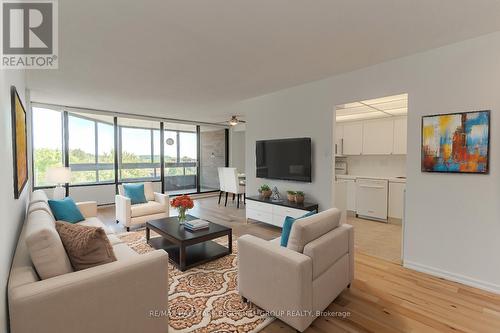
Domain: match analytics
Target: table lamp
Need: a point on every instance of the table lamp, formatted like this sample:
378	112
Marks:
60	176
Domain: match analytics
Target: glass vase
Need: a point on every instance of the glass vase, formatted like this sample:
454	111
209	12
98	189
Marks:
182	215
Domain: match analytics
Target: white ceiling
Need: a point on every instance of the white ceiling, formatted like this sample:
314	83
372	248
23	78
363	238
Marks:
190	59
390	106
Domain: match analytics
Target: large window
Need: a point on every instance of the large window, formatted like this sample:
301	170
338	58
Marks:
47	143
139	149
91	148
86	143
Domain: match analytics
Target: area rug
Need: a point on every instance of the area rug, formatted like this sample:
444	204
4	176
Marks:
205	298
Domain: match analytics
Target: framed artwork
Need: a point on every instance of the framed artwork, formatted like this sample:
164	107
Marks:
456	142
19	143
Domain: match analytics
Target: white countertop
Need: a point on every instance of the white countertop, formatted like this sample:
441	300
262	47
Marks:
390	179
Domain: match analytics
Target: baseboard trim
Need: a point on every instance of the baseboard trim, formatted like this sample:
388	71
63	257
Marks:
491	287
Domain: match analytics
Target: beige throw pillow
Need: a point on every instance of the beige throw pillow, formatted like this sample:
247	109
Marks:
86	246
45	246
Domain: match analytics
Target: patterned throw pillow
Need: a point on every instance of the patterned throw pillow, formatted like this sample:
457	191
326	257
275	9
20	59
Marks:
86	246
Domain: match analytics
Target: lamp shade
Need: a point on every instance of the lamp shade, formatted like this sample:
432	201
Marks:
58	175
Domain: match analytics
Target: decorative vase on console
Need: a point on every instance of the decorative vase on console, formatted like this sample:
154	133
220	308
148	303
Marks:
182	204
275	196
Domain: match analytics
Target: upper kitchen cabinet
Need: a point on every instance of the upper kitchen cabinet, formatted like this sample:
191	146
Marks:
352	141
400	136
378	137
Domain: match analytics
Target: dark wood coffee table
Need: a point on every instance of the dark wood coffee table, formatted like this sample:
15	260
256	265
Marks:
187	249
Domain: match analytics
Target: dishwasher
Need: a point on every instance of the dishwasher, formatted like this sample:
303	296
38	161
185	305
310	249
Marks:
371	198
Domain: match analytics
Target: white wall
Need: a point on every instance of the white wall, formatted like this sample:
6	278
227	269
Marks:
452	221
237	150
377	165
13	211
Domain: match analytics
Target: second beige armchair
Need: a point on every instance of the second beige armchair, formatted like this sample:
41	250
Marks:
297	282
127	214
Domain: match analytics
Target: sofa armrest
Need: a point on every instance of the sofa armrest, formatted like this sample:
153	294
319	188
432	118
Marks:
161	198
123	296
332	246
123	209
274	278
88	208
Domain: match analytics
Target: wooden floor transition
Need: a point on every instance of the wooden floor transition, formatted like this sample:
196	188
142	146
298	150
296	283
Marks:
384	297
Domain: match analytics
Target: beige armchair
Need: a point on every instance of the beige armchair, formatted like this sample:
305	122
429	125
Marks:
127	214
297	282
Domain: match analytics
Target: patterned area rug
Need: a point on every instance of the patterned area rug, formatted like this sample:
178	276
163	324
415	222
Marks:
205	298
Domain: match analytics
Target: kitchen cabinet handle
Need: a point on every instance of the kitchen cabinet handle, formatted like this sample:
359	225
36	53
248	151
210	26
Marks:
368	186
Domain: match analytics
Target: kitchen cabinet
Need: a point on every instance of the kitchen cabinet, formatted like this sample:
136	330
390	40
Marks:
396	199
353	138
378	137
400	134
371	137
351	194
339	138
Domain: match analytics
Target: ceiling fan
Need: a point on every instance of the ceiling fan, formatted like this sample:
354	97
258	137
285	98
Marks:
234	121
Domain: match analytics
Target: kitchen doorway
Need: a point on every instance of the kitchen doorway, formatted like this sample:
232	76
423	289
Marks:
370	169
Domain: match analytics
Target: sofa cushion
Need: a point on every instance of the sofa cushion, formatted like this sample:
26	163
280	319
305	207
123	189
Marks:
287	227
114	240
135	192
66	210
40	205
149	191
124	252
86	246
95	222
276	241
149	208
309	228
39	196
45	246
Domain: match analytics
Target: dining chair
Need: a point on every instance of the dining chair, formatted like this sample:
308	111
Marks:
231	184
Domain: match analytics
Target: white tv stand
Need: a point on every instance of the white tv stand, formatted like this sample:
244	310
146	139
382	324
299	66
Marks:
274	212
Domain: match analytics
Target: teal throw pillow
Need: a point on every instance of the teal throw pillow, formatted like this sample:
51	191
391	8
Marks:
287	227
66	210
135	192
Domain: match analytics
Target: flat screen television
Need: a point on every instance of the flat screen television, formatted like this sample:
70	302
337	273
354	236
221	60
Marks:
286	159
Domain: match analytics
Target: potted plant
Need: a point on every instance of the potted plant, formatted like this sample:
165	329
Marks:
182	203
299	197
265	191
291	195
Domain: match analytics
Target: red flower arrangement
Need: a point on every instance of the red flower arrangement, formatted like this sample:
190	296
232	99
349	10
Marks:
182	203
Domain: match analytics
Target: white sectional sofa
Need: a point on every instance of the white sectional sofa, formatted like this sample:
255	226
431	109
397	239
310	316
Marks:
122	296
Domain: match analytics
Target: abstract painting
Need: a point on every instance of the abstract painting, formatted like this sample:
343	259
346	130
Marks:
19	143
456	142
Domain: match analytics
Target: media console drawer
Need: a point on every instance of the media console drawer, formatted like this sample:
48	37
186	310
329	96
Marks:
274	213
259	215
286	211
260	206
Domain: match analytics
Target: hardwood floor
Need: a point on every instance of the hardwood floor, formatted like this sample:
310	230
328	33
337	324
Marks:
384	297
379	239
